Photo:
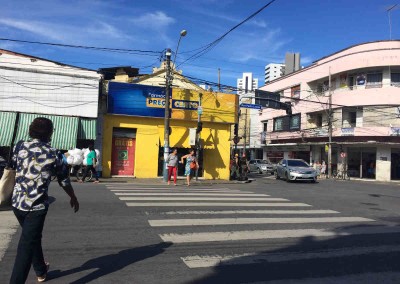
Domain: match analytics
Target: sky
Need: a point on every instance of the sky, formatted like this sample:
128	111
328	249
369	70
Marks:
314	28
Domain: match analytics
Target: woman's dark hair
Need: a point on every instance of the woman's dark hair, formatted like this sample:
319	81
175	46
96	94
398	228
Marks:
41	128
91	147
192	150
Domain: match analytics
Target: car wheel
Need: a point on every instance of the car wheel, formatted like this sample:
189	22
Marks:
276	175
314	180
287	178
259	171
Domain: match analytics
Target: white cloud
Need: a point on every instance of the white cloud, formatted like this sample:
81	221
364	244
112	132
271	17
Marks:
306	60
34	27
157	20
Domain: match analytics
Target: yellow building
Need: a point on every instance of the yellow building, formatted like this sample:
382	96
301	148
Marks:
133	128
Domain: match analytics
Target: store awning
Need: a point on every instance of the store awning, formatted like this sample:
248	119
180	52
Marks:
65	129
7	123
87	129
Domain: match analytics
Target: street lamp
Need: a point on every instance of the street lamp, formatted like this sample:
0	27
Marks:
168	82
183	33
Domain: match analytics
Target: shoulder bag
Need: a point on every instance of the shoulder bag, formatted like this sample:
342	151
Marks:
7	181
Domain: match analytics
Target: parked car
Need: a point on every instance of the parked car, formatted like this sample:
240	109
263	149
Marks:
3	164
295	169
261	166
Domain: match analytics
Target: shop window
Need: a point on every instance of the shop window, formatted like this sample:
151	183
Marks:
395	79
374	80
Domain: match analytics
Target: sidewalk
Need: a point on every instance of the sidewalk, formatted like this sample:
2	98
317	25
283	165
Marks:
8	227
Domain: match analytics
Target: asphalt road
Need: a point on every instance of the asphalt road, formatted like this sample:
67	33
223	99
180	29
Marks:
267	231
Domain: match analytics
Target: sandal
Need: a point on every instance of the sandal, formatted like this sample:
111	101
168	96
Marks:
44	276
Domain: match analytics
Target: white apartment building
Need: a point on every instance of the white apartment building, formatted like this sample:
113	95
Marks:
274	71
248	125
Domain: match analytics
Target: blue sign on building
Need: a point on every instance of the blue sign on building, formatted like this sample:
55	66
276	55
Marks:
133	99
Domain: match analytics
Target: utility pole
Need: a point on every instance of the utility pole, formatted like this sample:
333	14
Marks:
330	126
166	117
198	132
245	133
219	80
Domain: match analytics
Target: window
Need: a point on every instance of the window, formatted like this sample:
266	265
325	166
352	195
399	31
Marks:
351	82
353	118
287	123
295	122
395	79
278	124
318	120
374	80
295	92
265	129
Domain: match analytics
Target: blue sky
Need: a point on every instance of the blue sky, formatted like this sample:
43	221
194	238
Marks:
315	28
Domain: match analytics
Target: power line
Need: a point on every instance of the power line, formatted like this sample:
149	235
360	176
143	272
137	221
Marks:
206	48
121	50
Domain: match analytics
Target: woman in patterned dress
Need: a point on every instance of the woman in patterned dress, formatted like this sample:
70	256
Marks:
191	160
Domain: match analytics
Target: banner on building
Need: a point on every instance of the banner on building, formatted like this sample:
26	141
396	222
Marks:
347	132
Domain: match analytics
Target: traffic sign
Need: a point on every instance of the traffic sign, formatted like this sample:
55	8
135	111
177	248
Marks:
253	106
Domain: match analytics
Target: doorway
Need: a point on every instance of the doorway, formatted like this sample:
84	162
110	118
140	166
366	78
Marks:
395	165
123	152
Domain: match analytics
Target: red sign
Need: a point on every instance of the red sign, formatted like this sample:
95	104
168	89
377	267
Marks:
123	156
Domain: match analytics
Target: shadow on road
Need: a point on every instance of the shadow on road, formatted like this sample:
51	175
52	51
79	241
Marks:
348	253
111	263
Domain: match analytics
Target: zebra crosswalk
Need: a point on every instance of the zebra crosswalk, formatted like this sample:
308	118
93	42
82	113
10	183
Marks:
214	216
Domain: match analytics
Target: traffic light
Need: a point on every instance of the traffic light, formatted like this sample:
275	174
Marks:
236	130
199	127
236	139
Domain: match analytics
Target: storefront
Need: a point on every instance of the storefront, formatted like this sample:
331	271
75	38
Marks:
275	153
133	131
69	132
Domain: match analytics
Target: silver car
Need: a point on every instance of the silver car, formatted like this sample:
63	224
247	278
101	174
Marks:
261	166
295	169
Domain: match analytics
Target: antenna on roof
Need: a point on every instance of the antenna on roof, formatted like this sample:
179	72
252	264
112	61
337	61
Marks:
390	19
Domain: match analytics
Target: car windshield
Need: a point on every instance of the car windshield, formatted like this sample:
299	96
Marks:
297	163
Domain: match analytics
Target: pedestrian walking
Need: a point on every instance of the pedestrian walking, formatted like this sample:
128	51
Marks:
34	162
244	167
172	163
235	167
323	169
190	166
91	161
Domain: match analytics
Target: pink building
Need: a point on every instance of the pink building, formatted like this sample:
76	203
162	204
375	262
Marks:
365	89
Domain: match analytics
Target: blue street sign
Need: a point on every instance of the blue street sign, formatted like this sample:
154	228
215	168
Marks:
250	106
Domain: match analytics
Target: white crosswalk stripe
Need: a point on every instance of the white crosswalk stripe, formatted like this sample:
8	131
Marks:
243	221
224	216
198	261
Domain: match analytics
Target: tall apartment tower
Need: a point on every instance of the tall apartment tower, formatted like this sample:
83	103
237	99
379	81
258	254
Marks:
292	62
246	84
274	71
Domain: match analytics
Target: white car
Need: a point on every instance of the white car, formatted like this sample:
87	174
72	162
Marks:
261	166
295	169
